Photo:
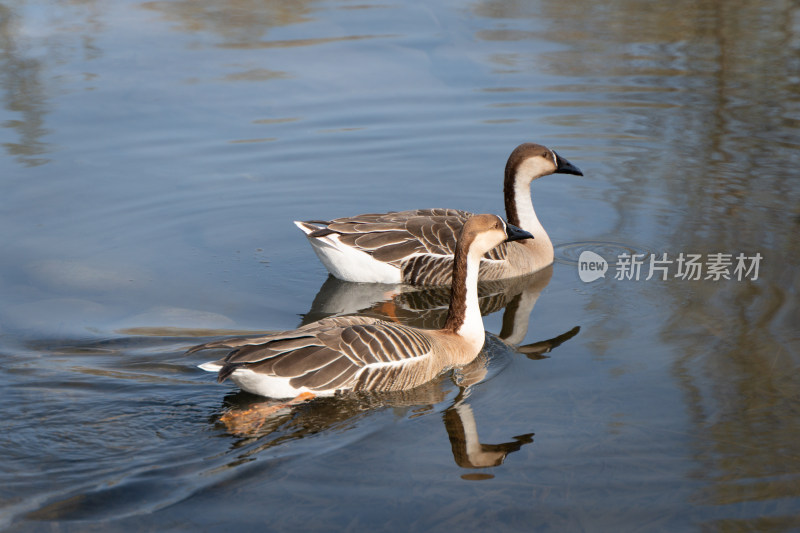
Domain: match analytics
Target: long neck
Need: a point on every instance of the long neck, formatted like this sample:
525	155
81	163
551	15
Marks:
464	315
519	211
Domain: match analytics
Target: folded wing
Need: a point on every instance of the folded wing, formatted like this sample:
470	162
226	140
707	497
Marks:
358	353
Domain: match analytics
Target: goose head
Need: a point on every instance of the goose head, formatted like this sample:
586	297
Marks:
529	161
481	233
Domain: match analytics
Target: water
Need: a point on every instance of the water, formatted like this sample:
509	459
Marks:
155	154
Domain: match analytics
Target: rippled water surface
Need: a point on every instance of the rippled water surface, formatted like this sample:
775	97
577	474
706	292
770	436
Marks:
155	154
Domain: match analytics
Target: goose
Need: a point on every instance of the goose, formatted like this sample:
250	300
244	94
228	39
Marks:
353	353
416	247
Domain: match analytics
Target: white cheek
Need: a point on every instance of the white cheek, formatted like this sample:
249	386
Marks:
486	241
536	166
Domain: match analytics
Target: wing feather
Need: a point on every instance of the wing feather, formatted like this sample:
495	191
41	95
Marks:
251	354
397	252
295	343
303	361
333	371
377	239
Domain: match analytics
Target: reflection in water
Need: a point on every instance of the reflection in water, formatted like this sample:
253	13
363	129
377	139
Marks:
243	24
24	93
238	22
468	450
738	366
27	79
426	307
421	307
714	87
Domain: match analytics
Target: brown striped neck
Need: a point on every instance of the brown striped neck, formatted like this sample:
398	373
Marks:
458	287
510	192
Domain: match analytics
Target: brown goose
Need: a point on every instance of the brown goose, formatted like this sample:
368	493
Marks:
416	247
362	353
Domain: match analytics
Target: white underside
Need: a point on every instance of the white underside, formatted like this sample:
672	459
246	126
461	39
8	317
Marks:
278	387
349	264
263	385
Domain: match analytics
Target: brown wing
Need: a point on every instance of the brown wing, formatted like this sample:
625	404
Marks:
331	353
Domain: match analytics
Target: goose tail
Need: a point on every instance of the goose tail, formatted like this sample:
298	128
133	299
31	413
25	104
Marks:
311	226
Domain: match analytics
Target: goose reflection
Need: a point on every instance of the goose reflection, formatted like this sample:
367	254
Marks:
426	307
272	422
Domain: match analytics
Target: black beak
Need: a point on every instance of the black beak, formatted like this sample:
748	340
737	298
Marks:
514	233
565	167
